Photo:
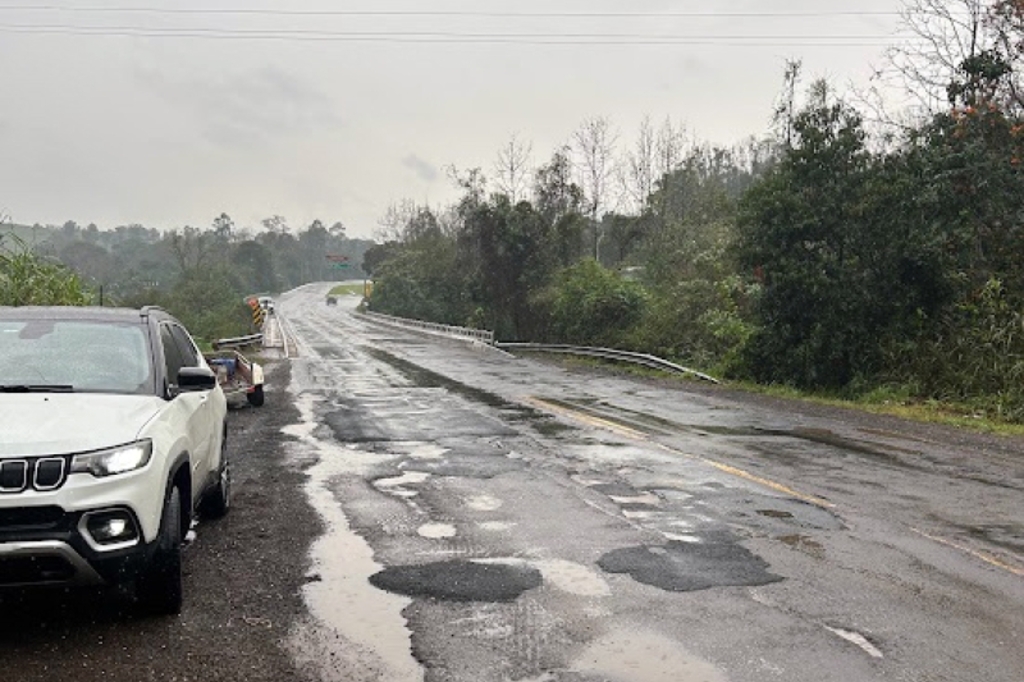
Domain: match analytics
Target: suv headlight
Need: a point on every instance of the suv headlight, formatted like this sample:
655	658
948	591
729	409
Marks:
113	461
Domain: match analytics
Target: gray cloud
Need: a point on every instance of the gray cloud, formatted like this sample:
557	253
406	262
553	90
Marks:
256	105
423	169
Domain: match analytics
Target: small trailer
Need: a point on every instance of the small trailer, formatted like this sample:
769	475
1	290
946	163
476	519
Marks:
236	374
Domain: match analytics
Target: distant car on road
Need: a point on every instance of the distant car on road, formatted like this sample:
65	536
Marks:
112	434
331	300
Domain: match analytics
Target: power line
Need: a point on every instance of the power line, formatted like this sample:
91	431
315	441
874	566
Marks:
441	13
452	37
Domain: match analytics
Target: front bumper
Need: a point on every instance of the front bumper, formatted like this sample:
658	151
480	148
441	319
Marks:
52	549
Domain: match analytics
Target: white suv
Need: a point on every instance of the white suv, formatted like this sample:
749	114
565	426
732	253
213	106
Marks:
112	433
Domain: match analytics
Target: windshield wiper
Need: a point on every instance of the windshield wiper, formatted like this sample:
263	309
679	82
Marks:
36	388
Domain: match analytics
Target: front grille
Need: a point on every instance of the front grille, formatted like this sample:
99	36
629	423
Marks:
35	570
40	473
30	518
13	476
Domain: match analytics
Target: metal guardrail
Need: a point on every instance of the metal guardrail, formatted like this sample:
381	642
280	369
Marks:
238	341
487	337
481	335
608	354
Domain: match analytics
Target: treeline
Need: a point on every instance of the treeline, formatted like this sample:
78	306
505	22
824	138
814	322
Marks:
826	257
200	274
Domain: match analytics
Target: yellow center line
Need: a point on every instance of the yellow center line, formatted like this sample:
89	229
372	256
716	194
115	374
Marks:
639	435
586	418
984	556
746	475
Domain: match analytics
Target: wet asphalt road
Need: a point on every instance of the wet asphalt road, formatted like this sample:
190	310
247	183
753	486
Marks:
533	523
416	509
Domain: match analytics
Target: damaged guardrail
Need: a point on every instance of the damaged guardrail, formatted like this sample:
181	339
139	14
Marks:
608	354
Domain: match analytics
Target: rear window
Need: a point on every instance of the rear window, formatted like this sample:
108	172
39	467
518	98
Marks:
89	356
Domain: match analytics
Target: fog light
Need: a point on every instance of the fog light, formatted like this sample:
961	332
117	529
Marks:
110	529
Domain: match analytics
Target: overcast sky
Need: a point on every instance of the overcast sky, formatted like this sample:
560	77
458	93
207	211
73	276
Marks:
169	118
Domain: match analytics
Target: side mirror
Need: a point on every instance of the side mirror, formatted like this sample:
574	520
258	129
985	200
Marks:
196	379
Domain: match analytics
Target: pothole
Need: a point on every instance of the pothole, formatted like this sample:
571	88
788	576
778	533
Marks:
775	513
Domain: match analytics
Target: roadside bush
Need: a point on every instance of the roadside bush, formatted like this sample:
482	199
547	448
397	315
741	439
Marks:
590	305
27	279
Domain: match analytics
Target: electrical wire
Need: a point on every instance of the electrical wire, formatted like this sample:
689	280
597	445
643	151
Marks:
549	38
453	38
441	13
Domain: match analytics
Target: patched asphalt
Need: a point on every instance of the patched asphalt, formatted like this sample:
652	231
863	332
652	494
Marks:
459	580
714	560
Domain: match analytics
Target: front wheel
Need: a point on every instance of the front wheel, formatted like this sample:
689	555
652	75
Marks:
159	589
255	397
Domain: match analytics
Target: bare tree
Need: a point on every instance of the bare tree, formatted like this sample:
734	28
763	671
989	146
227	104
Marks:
669	148
638	167
398	215
945	35
512	168
785	106
594	147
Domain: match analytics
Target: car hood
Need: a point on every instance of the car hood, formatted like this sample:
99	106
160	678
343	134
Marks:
60	423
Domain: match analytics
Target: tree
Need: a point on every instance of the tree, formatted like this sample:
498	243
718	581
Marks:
512	168
275	223
559	201
785	107
594	147
799	233
191	248
223	227
958	47
637	176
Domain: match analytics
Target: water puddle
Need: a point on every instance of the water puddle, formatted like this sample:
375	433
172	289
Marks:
483	503
436	531
711	561
496	526
407	478
459	580
353	627
639	655
646	500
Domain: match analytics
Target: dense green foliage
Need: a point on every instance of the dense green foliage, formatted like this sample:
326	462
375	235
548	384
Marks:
825	259
202	276
27	279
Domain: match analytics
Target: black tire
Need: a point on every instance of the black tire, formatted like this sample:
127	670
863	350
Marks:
158	591
255	397
217	499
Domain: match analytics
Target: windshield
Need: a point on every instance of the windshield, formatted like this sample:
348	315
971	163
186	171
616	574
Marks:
90	356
